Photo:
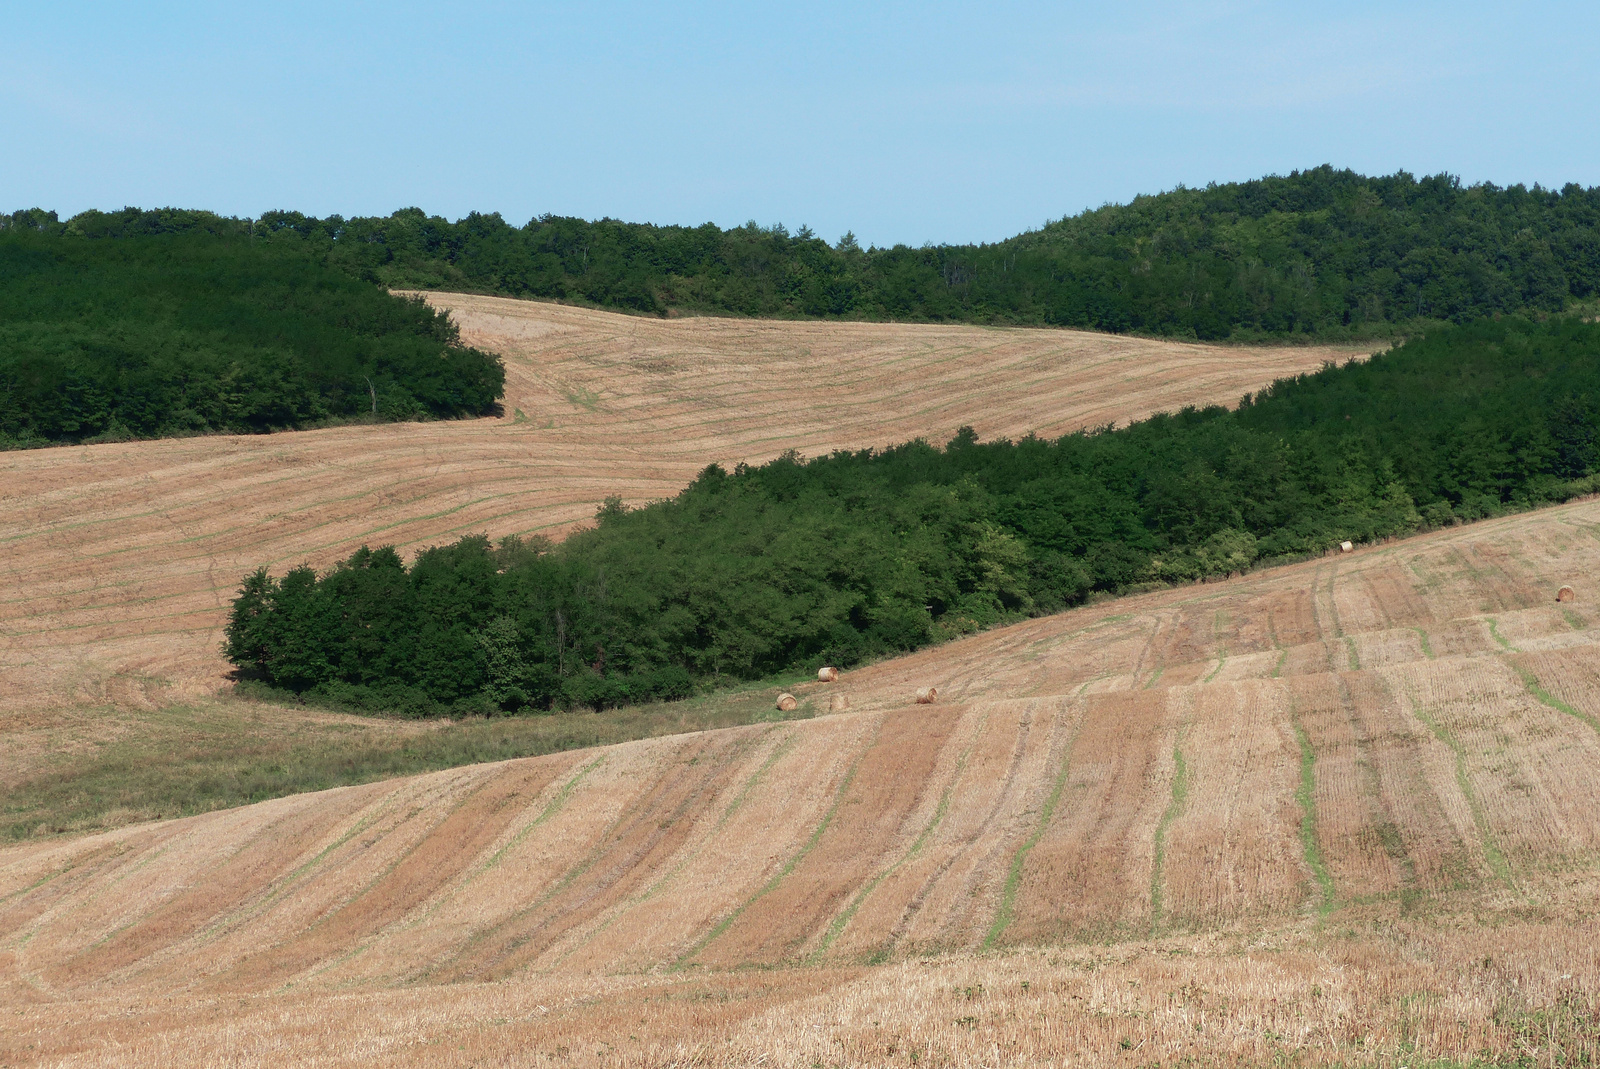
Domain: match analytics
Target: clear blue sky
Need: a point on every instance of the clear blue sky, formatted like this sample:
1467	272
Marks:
925	122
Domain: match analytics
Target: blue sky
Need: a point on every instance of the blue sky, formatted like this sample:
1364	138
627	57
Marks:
912	123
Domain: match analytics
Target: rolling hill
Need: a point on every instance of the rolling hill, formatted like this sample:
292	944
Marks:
1336	812
121	558
1342	807
1320	252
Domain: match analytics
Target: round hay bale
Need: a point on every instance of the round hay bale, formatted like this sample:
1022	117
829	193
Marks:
787	703
827	675
1566	593
927	695
838	703
1345	547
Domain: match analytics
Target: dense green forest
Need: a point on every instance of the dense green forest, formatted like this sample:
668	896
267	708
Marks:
844	557
1318	254
184	324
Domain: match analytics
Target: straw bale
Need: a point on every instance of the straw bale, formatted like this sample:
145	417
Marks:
787	703
927	695
1566	593
827	675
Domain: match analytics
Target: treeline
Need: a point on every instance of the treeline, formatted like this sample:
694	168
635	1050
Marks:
149	324
1320	254
844	557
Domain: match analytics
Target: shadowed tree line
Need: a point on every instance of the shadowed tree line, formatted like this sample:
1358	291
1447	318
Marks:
840	558
186	324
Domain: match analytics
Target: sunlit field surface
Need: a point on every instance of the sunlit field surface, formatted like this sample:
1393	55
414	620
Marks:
1336	812
119	560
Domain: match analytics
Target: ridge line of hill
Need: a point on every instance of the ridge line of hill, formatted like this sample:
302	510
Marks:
1320	253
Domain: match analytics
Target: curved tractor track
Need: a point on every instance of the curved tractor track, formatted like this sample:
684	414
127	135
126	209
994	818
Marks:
1348	744
117	561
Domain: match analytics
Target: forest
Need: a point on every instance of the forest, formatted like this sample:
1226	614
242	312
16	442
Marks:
845	557
1318	254
155	324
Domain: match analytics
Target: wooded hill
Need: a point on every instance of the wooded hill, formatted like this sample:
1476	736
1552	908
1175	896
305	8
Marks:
168	323
151	323
1320	253
840	558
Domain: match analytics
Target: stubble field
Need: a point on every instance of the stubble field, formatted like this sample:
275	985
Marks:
1340	812
1343	808
119	560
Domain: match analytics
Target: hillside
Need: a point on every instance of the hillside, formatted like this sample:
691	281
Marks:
840	559
1317	253
121	558
1341	808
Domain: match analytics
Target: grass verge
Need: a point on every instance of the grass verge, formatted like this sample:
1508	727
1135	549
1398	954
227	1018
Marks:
188	759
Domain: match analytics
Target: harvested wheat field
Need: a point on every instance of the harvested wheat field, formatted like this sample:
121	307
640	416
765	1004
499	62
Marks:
120	560
1339	812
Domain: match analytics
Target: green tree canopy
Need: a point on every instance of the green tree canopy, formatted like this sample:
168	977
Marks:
182	323
844	557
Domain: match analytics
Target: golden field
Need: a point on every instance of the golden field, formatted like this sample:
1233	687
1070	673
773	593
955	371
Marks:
120	560
1337	812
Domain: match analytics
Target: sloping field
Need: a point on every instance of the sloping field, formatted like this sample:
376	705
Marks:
1344	808
118	561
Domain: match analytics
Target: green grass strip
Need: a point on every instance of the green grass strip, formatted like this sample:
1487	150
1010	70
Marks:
42	880
733	806
1494	631
789	866
1008	894
1355	658
1531	681
1427	649
1308	818
843	920
1180	794
1333	603
356	828
551	809
1491	852
778	753
1283	652
1221	660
